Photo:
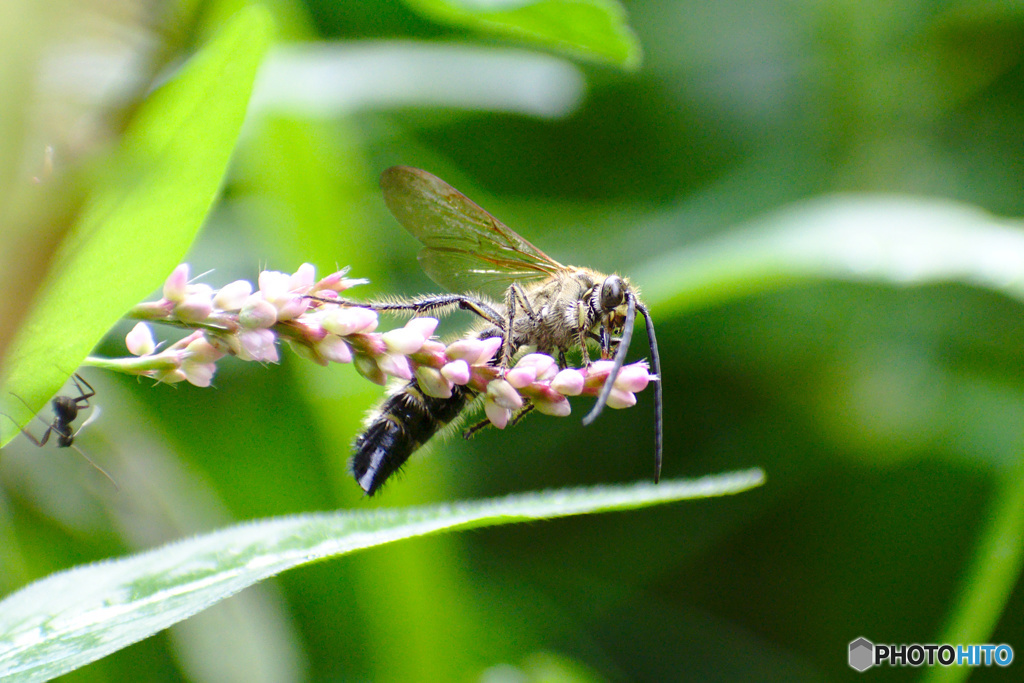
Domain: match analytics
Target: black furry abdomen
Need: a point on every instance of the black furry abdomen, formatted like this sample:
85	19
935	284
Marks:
405	421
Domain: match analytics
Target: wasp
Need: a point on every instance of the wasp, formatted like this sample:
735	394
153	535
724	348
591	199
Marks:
519	293
65	412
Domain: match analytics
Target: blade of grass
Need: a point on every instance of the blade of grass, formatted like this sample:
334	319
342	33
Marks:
991	577
69	619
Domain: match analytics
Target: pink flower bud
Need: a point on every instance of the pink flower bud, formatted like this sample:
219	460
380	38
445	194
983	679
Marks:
257	345
433	348
433	383
621	399
197	305
403	340
170	376
395	365
350	320
542	363
468	350
291	308
502	393
337	282
334	349
257	313
175	284
368	368
303	278
274	285
498	416
633	378
422	326
490	347
521	377
456	372
199	374
232	296
568	382
552	404
200	350
140	340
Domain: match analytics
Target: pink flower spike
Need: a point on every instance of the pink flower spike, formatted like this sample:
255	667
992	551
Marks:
498	416
502	393
334	349
350	320
395	365
403	340
303	279
621	399
633	377
257	313
468	350
490	347
140	340
232	296
456	372
433	383
568	382
176	283
520	377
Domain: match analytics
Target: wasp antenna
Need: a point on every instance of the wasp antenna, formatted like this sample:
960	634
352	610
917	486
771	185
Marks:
620	358
100	469
652	342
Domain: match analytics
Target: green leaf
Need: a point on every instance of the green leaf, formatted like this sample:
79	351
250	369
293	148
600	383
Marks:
146	209
902	241
590	29
69	619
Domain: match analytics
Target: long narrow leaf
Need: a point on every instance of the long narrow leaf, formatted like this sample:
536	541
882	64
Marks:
144	213
75	617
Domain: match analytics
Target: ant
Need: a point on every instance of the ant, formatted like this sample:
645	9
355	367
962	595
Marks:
65	411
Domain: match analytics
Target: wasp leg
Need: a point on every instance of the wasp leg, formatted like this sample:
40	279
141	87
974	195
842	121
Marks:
440	302
426	304
512	295
482	424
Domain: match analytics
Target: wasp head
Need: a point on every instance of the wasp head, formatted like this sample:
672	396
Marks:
618	305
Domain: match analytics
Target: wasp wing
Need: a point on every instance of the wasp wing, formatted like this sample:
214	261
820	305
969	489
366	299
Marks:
464	246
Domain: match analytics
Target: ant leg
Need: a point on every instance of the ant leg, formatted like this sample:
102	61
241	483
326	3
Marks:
49	427
76	378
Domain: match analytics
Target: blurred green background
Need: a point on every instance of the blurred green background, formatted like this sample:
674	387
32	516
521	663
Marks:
888	420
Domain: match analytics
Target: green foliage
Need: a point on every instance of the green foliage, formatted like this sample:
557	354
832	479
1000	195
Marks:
811	201
148	204
59	627
591	29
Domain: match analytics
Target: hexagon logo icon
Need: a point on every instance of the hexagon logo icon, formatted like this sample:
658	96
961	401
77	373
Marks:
862	654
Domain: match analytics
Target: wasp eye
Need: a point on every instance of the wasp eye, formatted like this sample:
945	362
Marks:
611	292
